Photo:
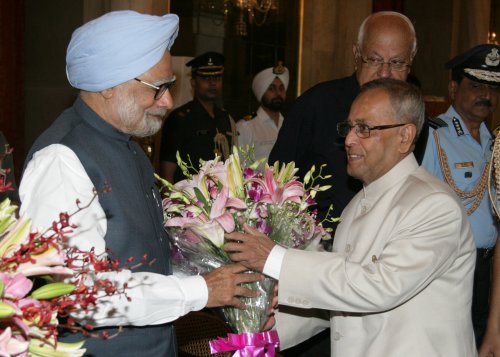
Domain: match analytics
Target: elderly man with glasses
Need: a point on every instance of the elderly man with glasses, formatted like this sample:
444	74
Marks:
398	281
123	73
385	48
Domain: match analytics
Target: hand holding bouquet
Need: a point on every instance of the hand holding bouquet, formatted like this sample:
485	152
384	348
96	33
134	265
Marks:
223	197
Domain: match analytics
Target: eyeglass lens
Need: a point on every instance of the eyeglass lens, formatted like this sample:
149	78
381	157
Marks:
163	88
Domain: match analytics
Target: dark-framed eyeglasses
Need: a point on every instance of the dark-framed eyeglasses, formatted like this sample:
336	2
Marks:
362	130
395	64
161	89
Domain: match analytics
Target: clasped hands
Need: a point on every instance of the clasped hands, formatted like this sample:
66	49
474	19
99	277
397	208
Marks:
250	251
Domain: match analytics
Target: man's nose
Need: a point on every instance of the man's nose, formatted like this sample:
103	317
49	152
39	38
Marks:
351	137
384	70
166	100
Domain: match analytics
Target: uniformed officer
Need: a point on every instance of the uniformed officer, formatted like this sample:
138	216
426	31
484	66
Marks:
199	129
459	150
261	129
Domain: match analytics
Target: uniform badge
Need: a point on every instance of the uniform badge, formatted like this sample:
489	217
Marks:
279	69
464	165
492	58
458	127
249	117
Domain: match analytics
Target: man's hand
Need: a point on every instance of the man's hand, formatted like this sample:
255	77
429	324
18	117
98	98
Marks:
250	249
224	285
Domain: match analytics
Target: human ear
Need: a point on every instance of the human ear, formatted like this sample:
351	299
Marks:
355	55
452	89
407	135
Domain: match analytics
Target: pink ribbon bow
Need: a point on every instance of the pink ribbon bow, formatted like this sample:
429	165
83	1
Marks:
260	344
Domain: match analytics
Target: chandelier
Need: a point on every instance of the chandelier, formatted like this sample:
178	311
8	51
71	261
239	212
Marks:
248	12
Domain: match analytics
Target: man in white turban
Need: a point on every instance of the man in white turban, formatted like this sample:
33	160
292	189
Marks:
261	129
121	63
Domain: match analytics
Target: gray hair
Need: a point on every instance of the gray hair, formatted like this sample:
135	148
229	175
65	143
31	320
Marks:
406	100
362	28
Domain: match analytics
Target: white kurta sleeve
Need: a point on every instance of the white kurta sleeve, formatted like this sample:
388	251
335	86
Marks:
52	182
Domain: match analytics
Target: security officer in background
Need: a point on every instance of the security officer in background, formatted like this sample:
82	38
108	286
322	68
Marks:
199	129
261	129
458	151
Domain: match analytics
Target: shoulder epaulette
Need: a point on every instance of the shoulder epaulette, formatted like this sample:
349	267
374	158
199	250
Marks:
437	123
249	117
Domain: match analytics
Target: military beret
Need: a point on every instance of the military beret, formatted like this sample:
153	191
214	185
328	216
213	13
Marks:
207	64
480	64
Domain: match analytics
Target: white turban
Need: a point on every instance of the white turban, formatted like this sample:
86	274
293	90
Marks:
263	80
118	47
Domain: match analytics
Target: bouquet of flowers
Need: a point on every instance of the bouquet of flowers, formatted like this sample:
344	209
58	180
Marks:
34	299
223	196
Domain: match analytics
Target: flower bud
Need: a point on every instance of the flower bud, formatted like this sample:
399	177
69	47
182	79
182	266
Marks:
6	310
52	290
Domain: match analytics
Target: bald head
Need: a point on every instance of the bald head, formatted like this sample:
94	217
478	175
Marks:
382	23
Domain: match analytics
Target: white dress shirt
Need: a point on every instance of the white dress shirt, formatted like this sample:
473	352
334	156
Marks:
261	131
51	183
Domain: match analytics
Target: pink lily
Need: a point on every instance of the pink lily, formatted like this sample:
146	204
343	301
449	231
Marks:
216	170
219	212
210	230
51	261
10	346
185	219
211	171
16	287
274	192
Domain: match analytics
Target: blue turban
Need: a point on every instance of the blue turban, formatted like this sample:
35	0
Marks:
118	47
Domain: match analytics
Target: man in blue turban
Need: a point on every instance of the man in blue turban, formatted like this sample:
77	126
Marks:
122	65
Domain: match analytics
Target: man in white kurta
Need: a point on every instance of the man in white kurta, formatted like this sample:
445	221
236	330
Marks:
399	279
261	129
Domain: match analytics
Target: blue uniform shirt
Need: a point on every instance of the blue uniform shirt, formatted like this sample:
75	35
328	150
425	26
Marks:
466	160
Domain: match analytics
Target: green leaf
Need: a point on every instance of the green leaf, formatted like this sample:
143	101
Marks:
200	197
